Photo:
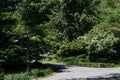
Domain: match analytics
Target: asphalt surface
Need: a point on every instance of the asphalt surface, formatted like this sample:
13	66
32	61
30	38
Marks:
65	72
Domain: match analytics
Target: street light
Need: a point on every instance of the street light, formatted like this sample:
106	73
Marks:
28	52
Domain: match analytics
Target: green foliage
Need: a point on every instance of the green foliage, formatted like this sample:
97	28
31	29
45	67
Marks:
42	73
13	55
23	75
74	17
30	12
52	59
77	59
97	65
53	40
109	11
101	44
8	49
72	49
80	61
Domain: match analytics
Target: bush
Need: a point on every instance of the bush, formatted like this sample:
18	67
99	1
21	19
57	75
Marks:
76	60
101	44
42	72
12	57
74	48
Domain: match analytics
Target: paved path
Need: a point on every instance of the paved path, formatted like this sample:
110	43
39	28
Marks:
83	73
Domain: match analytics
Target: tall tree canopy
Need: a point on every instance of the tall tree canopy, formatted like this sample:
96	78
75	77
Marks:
6	24
75	17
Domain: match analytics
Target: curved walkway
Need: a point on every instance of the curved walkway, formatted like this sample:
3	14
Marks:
83	73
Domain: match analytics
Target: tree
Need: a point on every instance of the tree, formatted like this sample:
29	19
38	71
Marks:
109	11
6	22
32	15
74	17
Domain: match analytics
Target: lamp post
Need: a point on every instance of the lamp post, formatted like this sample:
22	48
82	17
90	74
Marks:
28	52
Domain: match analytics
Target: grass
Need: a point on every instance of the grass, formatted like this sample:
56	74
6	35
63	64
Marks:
83	63
92	64
36	73
80	62
51	59
38	70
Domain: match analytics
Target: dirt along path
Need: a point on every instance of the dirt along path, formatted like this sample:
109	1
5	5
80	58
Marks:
65	72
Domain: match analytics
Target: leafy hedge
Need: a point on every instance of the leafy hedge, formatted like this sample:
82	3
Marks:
72	49
102	44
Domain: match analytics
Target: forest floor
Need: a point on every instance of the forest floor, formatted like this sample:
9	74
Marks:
65	72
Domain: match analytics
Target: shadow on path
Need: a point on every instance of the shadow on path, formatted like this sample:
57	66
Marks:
56	67
62	68
115	76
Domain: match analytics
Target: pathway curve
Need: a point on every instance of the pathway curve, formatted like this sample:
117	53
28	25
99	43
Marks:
83	73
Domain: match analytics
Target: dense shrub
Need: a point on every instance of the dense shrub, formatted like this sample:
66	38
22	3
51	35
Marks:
72	49
101	45
12	57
